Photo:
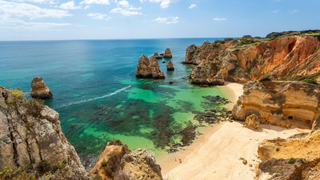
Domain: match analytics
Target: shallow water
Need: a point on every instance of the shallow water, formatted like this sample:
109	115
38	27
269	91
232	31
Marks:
84	75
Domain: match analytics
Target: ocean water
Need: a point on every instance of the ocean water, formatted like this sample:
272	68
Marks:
88	78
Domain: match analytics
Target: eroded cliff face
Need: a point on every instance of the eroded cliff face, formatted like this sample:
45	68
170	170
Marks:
246	59
28	138
39	89
146	68
279	103
294	158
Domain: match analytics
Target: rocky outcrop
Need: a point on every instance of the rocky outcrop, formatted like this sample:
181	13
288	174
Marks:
250	58
39	89
279	103
206	73
116	161
247	36
146	68
279	34
252	122
170	66
30	134
141	164
195	54
167	53
157	56
293	158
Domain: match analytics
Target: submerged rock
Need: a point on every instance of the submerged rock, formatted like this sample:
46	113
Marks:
146	68
167	53
39	89
170	66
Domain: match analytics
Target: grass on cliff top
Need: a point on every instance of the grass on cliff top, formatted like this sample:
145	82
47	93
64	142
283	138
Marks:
15	95
309	79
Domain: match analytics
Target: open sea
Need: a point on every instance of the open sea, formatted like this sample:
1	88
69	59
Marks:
88	78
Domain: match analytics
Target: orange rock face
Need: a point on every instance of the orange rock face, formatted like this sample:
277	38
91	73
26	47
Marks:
289	56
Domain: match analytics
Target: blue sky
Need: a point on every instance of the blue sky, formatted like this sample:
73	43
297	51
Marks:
135	19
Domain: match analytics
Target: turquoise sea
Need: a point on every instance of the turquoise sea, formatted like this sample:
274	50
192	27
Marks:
88	78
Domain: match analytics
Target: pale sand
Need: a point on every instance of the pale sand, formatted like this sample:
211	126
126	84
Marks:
216	153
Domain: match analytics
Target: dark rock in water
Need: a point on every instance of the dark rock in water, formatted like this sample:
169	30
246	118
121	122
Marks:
72	126
247	36
170	82
163	61
116	111
153	133
167	53
161	54
228	39
170	66
39	89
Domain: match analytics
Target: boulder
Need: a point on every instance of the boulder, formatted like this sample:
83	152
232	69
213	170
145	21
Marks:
149	68
39	89
228	39
30	139
157	56
167	53
170	66
252	122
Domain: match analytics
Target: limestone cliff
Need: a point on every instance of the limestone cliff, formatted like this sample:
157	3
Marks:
206	73
279	103
31	136
39	89
245	59
294	158
115	161
149	68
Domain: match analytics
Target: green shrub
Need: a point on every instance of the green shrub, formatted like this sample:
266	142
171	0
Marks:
310	32
312	81
104	163
34	106
265	79
291	160
14	96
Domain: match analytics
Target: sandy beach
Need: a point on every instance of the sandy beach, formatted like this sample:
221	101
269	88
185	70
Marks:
216	153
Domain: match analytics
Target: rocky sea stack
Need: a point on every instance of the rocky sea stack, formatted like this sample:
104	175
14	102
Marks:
149	68
167	53
39	89
31	139
170	66
157	56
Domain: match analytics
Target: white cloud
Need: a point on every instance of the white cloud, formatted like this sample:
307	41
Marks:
69	5
192	6
16	10
95	2
294	11
37	1
220	19
164	3
99	16
87	7
126	12
276	11
167	20
17	24
124	3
